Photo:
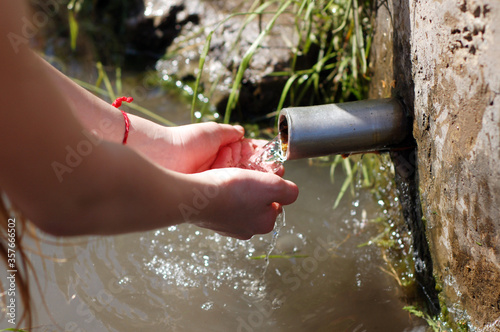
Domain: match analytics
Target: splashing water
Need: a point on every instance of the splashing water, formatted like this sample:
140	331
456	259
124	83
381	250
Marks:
269	158
280	223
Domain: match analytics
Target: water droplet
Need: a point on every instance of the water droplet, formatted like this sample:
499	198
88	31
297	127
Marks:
207	305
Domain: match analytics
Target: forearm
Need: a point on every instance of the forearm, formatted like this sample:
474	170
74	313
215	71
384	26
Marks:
113	191
61	178
99	116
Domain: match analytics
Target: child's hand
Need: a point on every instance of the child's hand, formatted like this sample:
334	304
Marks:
238	154
190	148
198	147
240	203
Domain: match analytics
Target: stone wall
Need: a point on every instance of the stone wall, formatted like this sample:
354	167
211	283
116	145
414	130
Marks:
447	69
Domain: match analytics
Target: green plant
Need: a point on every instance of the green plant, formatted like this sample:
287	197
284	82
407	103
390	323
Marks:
335	33
258	8
338	34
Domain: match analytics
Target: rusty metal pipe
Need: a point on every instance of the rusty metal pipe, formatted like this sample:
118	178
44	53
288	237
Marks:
360	126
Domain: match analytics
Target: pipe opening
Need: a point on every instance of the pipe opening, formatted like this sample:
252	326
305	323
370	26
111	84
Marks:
283	129
283	134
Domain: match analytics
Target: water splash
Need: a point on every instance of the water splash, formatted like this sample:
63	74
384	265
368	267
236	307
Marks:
280	223
268	158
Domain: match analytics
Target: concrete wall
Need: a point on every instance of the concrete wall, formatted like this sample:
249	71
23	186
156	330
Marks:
447	68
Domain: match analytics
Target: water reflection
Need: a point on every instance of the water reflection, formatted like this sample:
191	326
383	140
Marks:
188	279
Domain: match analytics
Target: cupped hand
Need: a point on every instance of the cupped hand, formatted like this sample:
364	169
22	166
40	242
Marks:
198	147
241	203
190	148
246	154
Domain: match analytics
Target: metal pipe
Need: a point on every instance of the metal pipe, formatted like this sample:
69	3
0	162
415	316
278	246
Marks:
360	126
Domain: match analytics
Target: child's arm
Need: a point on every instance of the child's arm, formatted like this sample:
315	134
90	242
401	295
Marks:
187	149
67	184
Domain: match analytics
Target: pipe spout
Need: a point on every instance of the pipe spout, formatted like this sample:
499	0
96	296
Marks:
354	127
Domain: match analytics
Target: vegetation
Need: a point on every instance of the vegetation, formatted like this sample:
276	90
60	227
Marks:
113	92
335	34
328	63
441	323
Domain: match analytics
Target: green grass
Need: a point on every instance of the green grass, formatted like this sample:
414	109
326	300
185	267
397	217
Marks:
336	34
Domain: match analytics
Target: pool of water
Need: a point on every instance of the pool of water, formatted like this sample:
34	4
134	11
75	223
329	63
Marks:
185	278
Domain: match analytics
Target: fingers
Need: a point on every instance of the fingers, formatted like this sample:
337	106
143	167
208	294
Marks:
236	150
268	220
280	171
247	148
282	192
289	191
224	158
229	134
255	197
258	143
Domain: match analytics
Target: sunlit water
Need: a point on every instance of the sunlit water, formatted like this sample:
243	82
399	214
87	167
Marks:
309	274
269	158
186	278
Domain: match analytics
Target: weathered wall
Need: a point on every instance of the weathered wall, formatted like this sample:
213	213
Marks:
455	52
447	65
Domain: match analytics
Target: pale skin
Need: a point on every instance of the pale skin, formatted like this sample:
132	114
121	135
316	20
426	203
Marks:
117	188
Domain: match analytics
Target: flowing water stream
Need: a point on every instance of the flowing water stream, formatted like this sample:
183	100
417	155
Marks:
269	159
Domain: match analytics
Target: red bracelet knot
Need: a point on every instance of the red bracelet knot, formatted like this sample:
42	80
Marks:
117	103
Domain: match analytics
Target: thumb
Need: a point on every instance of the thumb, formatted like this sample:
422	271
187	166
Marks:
286	192
291	192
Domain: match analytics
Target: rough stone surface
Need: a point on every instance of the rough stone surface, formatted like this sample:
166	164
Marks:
447	65
456	70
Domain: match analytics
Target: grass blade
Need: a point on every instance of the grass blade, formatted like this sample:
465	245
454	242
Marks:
73	29
347	182
234	95
133	106
107	82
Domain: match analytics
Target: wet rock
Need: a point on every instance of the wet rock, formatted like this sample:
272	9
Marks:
446	69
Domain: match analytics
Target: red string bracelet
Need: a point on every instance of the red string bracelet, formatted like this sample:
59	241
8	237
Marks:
117	103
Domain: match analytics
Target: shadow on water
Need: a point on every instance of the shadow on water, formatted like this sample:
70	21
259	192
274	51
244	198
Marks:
185	278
